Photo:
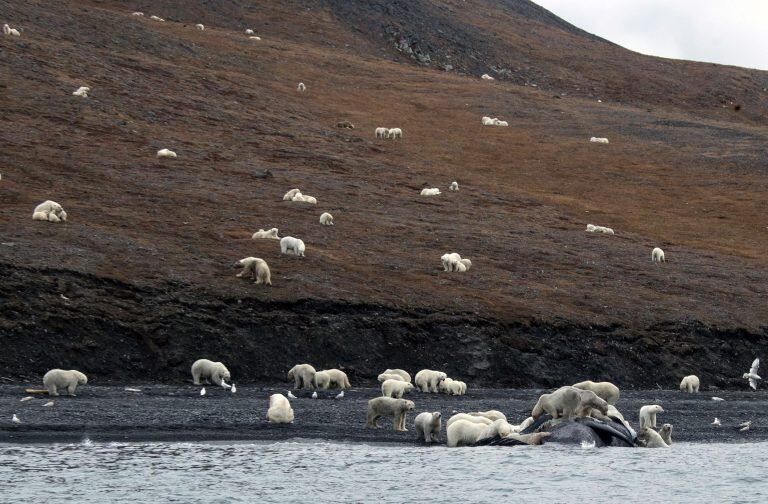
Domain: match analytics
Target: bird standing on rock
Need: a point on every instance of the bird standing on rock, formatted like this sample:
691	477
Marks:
202	391
233	389
15	419
48	404
340	395
290	395
314	395
716	423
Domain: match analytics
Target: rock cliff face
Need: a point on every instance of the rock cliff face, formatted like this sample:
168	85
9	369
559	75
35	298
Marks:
138	283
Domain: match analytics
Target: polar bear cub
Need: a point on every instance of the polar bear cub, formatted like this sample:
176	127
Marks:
606	391
428	426
257	268
204	369
270	234
292	246
395	388
428	380
690	384
331	378
326	219
60	378
303	376
648	415
166	153
388	406
280	410
49	211
465	433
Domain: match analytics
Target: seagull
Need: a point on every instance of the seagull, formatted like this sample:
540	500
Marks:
233	389
48	404
25	399
15	419
718	399
65	298
744	427
314	395
340	395
129	389
225	384
752	375
202	391
716	423
290	395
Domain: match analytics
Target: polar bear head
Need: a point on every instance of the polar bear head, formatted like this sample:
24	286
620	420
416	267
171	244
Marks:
408	405
81	378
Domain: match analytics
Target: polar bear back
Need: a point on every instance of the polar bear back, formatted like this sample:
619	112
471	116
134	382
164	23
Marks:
400	372
63	378
469	418
605	390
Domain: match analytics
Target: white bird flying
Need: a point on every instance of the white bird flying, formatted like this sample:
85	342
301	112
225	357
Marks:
752	375
716	423
744	427
340	395
314	395
202	391
25	399
48	404
290	395
233	389
15	419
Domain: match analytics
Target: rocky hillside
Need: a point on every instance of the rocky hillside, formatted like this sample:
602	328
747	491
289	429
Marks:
139	281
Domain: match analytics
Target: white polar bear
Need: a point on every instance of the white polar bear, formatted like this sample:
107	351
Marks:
200	27
82	91
214	372
666	433
388	376
395	133
450	386
49	211
301	87
294	245
600	140
257	268
465	433
450	261
648	415
568	402
303	198
657	255
607	391
290	194
270	234
326	219
428	380
303	376
280	410
463	265
400	372
690	384
428	426
331	378
388	406
166	153
487	121
381	132
490	414
649	438
60	378
469	418
395	388
454	186
430	191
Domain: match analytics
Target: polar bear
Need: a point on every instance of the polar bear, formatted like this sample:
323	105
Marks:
666	433
290	194
648	415
657	255
326	219
303	376
690	384
214	372
607	391
428	380
568	402
49	211
280	410
649	438
465	433
469	418
294	245
450	261
400	372
388	406
388	376
428	426
490	414
256	268
60	378
268	233
395	388
331	378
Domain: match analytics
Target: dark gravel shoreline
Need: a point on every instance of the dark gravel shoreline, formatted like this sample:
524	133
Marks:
179	413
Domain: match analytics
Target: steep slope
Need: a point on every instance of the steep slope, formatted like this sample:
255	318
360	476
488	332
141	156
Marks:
145	259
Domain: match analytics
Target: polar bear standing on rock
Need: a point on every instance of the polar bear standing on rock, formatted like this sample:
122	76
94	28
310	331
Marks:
690	384
649	438
395	388
294	245
465	433
214	372
331	378
60	378
280	410
49	211
257	268
428	426
428	380
387	406
606	391
568	402
303	376
648	415
400	372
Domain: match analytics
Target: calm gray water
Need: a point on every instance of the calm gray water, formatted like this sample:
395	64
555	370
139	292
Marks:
312	472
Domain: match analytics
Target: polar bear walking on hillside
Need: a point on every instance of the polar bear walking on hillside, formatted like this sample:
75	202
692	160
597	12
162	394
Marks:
49	211
292	246
214	372
257	268
56	379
